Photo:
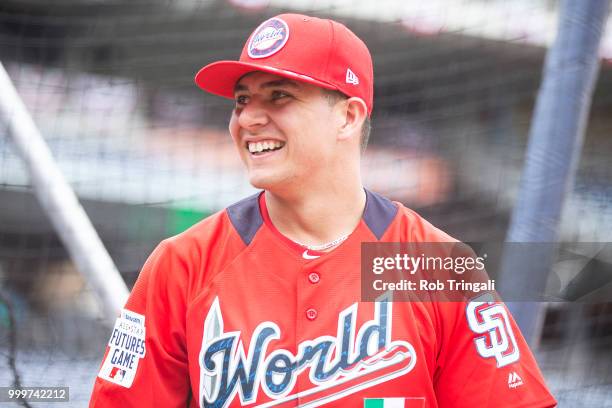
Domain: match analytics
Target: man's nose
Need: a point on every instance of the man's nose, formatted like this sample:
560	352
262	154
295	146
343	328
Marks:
253	115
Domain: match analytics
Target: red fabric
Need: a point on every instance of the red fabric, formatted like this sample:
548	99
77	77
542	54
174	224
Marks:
297	248
317	51
265	286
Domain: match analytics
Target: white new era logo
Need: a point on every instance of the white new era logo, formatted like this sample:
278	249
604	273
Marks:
351	78
514	380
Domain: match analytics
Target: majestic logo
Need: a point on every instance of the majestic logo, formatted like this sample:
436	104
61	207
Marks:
351	78
514	380
492	321
268	38
337	366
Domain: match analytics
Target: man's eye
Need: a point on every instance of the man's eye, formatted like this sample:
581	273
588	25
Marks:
241	99
279	95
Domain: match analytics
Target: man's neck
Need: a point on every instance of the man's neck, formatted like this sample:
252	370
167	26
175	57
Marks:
315	218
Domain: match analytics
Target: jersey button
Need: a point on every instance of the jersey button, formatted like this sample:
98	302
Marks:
311	314
314	277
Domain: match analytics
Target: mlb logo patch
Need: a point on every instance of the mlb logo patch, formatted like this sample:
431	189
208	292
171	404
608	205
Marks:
394	403
117	373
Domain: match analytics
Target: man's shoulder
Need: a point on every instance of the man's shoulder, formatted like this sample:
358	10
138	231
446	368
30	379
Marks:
202	229
409	225
237	222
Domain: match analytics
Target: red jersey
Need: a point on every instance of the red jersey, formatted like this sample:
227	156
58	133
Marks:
231	313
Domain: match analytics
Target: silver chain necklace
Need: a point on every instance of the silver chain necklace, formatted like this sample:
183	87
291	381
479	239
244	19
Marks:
323	247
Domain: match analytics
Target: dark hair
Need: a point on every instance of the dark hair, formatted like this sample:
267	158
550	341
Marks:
333	97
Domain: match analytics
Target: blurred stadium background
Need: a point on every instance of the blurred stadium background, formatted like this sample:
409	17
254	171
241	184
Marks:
109	84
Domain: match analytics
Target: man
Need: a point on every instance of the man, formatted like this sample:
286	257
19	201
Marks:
260	305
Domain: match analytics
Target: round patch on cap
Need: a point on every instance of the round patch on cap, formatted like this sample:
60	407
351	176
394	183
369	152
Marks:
268	38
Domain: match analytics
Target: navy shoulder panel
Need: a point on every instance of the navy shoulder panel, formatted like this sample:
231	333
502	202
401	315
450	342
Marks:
379	213
246	217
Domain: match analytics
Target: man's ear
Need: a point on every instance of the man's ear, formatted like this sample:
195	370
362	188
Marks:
355	112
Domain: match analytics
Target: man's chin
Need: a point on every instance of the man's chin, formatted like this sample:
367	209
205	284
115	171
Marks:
262	183
267	182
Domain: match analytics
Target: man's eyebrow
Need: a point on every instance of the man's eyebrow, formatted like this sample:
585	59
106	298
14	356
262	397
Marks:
270	84
240	87
280	82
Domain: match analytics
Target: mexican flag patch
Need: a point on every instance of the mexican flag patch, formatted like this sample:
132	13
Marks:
393	402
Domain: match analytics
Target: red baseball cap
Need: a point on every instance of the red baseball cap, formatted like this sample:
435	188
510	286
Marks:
317	51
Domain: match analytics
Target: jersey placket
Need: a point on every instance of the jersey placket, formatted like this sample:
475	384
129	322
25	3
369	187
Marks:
311	317
325	286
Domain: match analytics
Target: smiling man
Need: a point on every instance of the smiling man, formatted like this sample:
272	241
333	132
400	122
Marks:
260	304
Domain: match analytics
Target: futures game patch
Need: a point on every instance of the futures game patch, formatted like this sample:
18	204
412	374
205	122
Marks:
126	348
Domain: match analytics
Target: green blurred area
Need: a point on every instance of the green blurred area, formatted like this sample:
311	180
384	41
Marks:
180	219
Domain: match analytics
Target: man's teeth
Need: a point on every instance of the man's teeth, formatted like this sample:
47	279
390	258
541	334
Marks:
258	147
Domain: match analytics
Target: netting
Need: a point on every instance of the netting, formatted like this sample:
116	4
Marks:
110	86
